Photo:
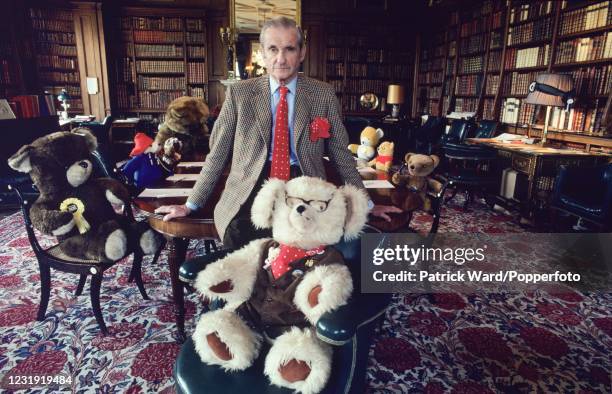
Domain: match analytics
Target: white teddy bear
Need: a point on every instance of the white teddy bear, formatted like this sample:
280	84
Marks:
279	287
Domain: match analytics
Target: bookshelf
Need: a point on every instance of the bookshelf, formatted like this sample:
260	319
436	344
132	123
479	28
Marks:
55	53
522	39
161	55
359	60
10	72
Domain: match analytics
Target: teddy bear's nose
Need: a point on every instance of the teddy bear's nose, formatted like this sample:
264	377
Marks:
84	164
300	209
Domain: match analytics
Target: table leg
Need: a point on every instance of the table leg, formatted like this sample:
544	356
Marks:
177	248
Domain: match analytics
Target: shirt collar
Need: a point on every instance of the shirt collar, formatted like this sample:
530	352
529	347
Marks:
274	85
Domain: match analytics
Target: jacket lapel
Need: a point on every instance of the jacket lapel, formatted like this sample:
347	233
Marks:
263	113
302	109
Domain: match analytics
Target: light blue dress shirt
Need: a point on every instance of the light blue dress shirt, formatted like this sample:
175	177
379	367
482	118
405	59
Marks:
274	99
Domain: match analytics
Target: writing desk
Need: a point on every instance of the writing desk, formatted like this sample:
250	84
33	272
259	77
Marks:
540	165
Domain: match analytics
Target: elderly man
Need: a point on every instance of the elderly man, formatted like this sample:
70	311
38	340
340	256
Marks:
266	127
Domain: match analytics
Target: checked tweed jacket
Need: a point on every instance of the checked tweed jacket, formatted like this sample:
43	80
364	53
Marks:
243	132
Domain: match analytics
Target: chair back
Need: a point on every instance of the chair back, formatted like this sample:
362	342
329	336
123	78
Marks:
458	131
354	125
24	205
486	129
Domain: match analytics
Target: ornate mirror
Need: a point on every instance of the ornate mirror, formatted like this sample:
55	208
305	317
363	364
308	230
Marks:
246	19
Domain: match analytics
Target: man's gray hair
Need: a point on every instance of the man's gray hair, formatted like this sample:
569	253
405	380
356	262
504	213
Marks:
284	22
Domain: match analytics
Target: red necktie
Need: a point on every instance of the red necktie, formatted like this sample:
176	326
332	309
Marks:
280	152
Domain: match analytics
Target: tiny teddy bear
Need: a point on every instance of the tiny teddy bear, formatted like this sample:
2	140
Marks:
75	207
383	161
413	175
146	169
185	119
279	287
367	149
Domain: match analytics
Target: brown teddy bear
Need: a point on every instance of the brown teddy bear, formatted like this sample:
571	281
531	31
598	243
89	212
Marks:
185	119
279	287
413	175
73	206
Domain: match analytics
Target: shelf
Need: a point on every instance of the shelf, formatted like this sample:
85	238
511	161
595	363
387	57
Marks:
583	33
470	73
59	83
161	57
532	19
161	72
586	63
50	68
530	43
160	43
464	95
533	68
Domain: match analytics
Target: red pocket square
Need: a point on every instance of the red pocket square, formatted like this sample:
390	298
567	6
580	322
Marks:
319	128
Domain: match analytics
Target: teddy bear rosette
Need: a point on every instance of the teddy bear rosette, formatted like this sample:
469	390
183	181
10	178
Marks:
279	287
74	206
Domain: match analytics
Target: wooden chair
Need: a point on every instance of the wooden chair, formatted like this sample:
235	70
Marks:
53	257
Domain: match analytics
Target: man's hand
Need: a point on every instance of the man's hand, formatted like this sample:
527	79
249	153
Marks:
381	211
173	211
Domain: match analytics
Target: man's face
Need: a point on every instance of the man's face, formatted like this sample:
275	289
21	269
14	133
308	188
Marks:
282	55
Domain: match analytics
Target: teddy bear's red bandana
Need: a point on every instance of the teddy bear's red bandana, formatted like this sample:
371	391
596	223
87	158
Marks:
287	254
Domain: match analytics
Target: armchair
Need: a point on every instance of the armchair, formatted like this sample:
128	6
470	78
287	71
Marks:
349	328
427	137
469	167
585	193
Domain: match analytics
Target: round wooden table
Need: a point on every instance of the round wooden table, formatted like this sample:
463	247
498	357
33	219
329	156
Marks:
200	225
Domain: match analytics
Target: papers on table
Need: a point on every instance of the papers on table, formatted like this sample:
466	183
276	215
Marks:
183	177
191	164
378	184
509	137
161	193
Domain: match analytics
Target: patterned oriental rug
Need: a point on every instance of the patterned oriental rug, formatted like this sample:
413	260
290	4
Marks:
540	342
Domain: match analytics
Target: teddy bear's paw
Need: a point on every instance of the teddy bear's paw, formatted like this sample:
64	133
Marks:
222	338
149	242
64	229
299	361
115	246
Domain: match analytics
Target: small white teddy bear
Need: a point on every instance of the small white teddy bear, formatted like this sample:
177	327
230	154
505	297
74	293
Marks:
279	287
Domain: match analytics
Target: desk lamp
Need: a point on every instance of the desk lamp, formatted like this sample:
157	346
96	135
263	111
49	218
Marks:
395	97
551	90
64	97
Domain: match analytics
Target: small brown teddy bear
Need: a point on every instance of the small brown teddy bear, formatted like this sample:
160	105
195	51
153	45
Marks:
76	207
413	175
185	119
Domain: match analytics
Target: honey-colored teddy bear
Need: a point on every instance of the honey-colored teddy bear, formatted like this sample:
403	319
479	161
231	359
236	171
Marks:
383	161
367	149
186	120
413	175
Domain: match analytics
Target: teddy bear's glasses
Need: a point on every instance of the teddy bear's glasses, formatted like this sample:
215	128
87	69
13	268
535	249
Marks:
318	205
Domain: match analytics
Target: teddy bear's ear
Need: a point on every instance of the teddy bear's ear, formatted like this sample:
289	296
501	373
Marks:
380	133
407	157
436	160
20	161
92	142
263	205
356	211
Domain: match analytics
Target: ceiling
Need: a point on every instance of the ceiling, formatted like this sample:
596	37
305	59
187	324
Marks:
251	14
